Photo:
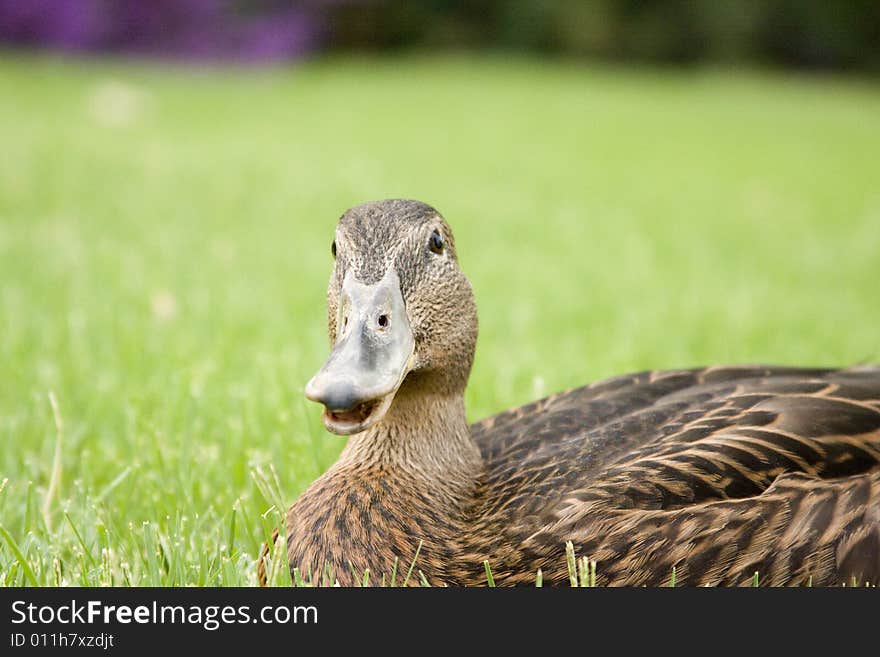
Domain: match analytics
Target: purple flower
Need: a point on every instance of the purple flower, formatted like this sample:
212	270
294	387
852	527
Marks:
188	29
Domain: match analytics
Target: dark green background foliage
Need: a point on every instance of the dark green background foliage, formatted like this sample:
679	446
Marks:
807	33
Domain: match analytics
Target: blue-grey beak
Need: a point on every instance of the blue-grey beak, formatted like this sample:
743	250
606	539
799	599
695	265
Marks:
372	355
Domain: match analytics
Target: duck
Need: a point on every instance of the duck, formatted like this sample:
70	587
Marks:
712	476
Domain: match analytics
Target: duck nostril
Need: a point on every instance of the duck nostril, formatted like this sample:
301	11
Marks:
383	321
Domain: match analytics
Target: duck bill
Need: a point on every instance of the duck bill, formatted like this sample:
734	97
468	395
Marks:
372	355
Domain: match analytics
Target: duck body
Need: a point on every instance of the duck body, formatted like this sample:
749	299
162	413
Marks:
719	472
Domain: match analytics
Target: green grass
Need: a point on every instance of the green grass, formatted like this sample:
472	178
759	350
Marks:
164	249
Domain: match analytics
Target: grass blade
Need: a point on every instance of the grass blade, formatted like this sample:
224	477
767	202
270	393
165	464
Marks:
86	551
230	540
572	563
489	579
113	484
3	485
413	564
394	573
583	572
25	566
55	476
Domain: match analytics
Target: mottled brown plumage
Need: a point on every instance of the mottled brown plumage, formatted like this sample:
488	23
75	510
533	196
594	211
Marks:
719	472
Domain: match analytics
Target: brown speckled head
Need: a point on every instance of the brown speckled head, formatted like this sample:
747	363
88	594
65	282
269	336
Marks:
382	249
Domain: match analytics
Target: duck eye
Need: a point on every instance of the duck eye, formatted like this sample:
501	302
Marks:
333	249
436	242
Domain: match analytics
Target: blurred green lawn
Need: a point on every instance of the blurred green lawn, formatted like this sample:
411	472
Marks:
165	245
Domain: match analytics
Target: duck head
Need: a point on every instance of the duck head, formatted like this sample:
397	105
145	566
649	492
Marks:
400	314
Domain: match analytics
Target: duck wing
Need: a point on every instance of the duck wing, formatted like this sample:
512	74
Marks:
716	471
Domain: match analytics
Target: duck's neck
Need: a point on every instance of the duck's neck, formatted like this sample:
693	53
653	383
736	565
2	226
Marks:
424	436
